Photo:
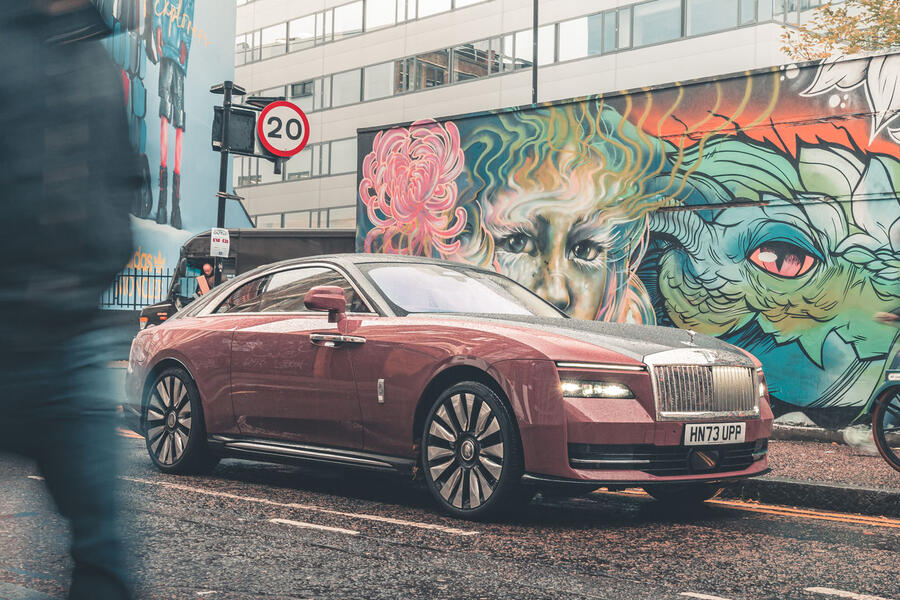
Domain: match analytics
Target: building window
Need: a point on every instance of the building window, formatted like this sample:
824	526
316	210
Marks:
472	61
431	70
378	81
302	33
657	21
302	94
433	7
299	166
624	28
274	40
343	156
345	88
380	13
348	20
708	16
609	27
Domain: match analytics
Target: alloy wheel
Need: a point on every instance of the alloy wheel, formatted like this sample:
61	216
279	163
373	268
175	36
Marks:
464	450
168	420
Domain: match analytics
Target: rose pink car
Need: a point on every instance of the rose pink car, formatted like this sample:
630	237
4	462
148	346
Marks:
444	372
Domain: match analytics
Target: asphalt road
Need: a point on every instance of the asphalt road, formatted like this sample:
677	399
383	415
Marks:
266	531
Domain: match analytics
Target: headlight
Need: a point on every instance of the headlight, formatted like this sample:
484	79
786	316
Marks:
763	387
595	389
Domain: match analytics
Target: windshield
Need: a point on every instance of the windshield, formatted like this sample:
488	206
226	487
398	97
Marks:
427	288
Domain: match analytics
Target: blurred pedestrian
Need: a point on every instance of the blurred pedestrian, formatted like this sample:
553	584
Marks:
206	280
67	179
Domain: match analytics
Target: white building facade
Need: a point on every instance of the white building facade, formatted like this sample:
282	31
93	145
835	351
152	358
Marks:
366	63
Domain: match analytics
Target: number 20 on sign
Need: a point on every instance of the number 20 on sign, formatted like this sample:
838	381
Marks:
282	128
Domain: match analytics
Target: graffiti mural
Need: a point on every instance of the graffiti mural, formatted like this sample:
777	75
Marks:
170	112
762	208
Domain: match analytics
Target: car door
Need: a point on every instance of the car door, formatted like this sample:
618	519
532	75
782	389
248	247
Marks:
285	384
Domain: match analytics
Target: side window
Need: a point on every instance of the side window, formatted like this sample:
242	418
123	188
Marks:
287	289
246	298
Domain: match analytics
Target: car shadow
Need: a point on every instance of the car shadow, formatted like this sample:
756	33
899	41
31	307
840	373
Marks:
601	510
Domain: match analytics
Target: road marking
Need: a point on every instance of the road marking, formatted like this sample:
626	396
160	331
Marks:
843	594
129	434
787	511
701	596
309	507
314	526
35	477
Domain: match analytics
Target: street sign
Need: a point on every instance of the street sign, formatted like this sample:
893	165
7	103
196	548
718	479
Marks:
282	129
219	241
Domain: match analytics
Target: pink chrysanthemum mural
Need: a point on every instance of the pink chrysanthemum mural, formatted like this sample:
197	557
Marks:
409	190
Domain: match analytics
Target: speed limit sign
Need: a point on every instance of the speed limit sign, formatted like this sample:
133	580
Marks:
282	128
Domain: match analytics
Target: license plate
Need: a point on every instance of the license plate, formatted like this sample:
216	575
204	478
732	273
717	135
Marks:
707	434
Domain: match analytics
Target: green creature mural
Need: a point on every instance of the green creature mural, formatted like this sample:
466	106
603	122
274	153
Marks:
762	208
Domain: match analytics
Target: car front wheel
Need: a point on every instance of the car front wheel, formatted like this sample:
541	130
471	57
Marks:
175	431
470	451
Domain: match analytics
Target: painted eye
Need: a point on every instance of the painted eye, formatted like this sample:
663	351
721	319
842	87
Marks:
585	250
517	243
783	259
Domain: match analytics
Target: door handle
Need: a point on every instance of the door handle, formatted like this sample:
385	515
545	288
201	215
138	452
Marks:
330	340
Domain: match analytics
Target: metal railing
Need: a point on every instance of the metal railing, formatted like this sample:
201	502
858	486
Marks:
136	288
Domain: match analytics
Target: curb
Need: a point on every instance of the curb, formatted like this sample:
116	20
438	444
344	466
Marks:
794	433
811	494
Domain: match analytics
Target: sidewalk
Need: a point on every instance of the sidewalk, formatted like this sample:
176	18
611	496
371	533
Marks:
824	474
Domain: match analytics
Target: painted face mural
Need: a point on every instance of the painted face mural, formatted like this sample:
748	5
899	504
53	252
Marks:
762	209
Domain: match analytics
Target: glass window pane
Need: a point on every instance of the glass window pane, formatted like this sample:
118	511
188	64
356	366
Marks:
242	45
655	22
345	88
748	12
461	3
326	158
471	61
267	173
342	218
322	97
301	94
348	20
609	31
324	22
299	166
266	222
624	28
343	156
274	40
297	219
763	10
523	49
378	81
432	69
316	159
546	44
573	39
380	13
302	33
272	92
706	16
433	7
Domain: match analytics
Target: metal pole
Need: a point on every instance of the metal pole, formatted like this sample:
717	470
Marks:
223	171
534	55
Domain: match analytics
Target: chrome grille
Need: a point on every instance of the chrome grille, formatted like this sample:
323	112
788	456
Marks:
700	391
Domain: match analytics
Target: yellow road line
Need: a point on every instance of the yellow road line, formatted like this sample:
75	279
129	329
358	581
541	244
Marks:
788	511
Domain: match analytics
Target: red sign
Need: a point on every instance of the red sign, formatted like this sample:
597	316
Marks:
283	129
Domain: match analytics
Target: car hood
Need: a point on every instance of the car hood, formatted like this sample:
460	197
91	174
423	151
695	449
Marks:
637	342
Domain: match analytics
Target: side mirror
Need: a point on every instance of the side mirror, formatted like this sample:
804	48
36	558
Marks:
327	297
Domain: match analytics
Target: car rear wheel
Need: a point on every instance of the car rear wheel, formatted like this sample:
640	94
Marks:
683	493
470	452
175	430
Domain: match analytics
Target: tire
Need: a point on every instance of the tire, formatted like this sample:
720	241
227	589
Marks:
886	425
683	493
471	453
175	431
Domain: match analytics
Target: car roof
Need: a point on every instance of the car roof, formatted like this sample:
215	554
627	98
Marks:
368	258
